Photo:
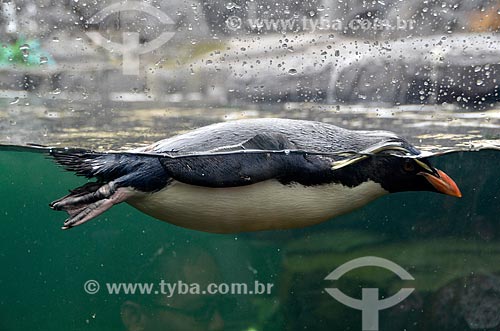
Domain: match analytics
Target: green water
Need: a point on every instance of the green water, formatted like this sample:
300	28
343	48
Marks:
450	246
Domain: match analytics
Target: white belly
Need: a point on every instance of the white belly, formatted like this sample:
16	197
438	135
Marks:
262	206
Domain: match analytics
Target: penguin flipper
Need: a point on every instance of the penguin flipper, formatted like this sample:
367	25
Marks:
262	157
269	141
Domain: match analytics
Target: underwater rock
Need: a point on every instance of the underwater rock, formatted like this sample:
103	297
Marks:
470	303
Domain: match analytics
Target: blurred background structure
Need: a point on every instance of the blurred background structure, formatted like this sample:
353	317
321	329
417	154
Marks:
255	52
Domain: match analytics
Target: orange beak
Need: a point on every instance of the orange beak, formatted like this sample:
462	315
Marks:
443	183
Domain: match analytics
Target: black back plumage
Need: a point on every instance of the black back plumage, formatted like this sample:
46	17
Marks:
292	134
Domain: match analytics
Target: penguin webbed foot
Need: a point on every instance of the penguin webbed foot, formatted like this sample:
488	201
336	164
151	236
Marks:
89	201
82	196
87	213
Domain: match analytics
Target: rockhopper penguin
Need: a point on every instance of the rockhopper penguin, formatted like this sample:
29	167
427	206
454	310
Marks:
249	175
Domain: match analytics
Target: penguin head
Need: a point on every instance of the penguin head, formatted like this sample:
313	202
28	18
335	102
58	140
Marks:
400	174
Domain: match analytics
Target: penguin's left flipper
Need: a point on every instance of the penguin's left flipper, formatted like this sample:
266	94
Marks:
269	141
263	157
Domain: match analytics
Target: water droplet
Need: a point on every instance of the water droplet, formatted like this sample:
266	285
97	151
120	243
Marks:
25	50
55	39
232	5
24	47
56	91
477	69
16	100
479	82
292	71
43	59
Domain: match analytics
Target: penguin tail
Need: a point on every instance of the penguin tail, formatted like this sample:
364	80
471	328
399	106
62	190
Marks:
105	166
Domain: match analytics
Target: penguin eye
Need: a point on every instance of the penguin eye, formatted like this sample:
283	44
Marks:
408	166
